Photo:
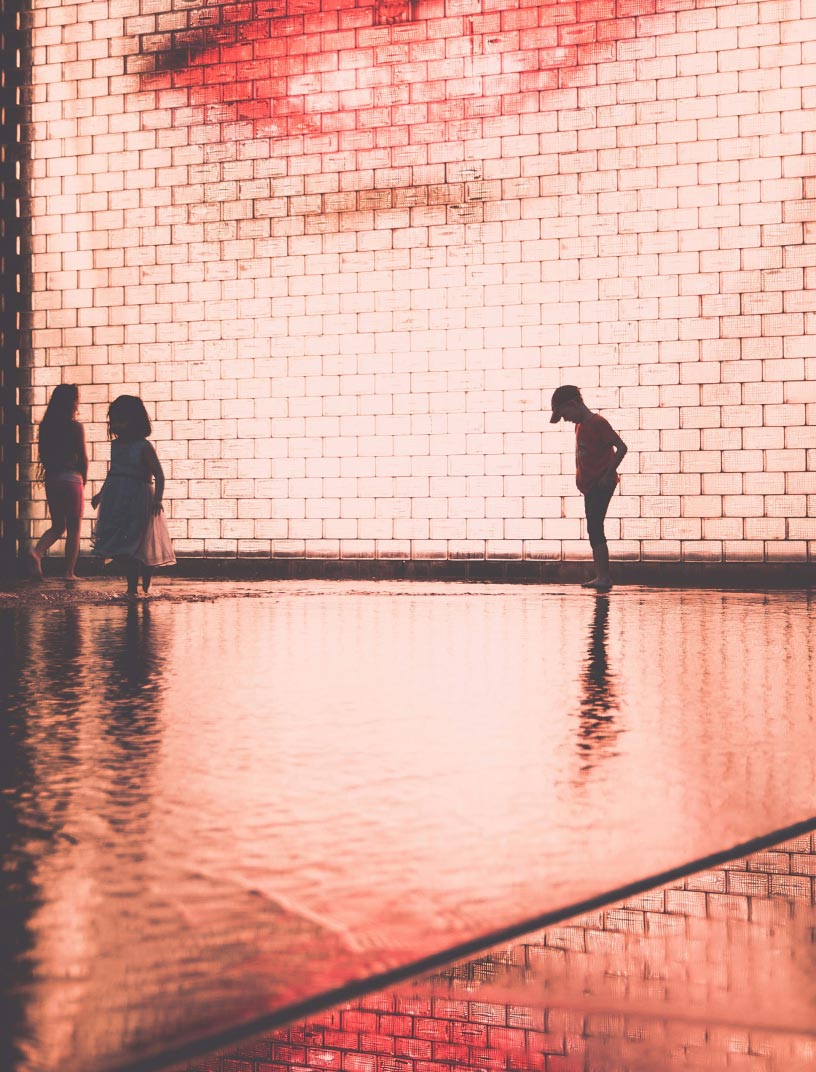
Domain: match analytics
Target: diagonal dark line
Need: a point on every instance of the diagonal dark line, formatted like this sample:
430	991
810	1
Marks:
219	1040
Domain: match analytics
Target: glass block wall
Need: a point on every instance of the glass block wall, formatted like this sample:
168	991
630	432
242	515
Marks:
346	250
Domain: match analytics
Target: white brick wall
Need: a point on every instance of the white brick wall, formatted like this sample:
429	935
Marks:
345	263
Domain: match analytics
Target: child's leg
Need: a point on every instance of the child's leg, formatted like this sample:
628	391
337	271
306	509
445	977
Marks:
147	576
45	542
56	508
600	556
50	536
132	574
72	547
74	497
596	504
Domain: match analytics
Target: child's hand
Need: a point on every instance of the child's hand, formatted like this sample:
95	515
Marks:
96	500
157	508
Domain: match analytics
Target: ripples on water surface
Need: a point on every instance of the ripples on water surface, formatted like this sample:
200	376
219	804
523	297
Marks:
215	809
717	970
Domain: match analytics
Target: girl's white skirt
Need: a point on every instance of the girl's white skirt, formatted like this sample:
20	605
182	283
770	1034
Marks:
156	548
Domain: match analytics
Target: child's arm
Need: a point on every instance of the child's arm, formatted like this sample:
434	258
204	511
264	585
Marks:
151	460
97	499
82	453
607	478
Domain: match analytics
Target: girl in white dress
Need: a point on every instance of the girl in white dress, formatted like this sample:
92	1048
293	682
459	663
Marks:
131	523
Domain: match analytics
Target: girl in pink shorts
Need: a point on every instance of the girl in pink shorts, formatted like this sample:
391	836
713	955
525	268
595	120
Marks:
64	466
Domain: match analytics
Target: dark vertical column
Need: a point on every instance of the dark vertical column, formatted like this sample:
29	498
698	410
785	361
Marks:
9	277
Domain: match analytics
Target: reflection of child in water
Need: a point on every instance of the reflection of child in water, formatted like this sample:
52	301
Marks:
131	523
599	450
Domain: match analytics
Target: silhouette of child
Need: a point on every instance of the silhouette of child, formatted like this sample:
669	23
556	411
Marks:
131	523
599	450
64	466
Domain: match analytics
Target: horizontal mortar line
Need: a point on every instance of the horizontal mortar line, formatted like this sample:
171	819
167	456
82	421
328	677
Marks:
453	195
219	1040
568	1000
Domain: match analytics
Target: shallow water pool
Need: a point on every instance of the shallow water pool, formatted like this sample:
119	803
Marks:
221	809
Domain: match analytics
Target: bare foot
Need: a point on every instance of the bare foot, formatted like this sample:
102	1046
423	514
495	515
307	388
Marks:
35	566
591	583
70	577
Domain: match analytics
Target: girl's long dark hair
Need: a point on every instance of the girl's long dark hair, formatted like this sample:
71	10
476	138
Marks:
57	438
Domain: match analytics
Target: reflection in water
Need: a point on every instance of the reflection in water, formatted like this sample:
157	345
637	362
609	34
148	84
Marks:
251	802
103	874
716	971
133	668
43	666
82	697
597	731
18	898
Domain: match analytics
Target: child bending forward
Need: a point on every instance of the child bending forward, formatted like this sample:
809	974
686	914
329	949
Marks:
131	524
599	450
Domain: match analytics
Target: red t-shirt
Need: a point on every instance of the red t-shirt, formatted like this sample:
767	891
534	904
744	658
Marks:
594	450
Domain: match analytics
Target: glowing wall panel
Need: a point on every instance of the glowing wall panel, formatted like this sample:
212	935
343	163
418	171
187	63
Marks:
346	251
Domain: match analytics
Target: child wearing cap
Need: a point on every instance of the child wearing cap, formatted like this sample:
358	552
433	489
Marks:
599	450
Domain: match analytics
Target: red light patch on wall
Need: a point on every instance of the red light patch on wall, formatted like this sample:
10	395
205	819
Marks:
346	252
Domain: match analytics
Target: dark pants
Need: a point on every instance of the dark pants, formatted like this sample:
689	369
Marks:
596	503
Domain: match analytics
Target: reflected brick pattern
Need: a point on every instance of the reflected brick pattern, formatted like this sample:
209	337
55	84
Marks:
345	251
682	976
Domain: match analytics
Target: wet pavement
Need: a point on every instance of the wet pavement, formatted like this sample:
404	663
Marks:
235	801
717	971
